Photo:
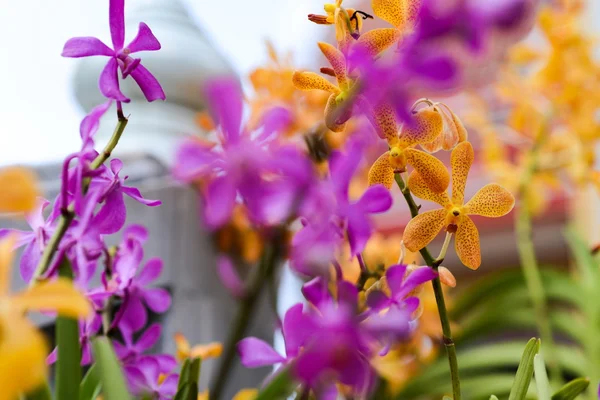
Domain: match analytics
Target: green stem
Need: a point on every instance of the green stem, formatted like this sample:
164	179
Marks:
68	215
530	267
266	269
439	296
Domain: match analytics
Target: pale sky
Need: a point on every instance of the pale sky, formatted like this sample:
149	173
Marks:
39	116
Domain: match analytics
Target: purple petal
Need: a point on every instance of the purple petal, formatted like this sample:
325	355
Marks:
29	260
136	232
225	101
86	353
394	322
411	304
150	272
35	218
51	359
135	314
193	160
169	386
377	300
166	362
90	124
347	294
274	121
229	276
328	392
148	83
359	230
376	199
116	12
219	201
316	291
310	364
342	167
149	338
296	329
414	279
355	371
86	46
109	82
135	194
144	40
257	353
395	277
112	215
157	299
136	379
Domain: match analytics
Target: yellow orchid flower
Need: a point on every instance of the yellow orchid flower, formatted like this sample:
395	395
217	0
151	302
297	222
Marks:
19	189
427	124
23	349
335	116
202	351
491	200
246	394
347	23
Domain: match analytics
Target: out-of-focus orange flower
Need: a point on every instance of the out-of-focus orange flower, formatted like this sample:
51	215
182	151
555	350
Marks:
19	190
239	238
202	351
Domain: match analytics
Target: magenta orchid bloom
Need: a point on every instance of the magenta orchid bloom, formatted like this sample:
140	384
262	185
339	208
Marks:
119	56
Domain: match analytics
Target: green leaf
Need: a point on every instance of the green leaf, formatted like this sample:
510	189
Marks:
189	391
572	389
586	264
109	370
280	387
41	393
525	371
90	385
187	387
68	364
541	378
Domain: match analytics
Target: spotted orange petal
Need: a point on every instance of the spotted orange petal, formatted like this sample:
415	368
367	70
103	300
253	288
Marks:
396	12
427	125
209	350
381	172
419	188
432	171
423	228
335	115
59	295
461	161
492	200
337	61
467	243
377	40
310	81
384	122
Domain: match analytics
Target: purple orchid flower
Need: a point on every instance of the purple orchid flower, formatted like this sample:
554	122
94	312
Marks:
90	124
35	240
237	168
400	288
119	56
255	352
146	378
130	352
87	330
113	213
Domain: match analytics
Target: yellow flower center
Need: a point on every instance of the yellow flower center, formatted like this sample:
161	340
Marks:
329	8
454	216
398	159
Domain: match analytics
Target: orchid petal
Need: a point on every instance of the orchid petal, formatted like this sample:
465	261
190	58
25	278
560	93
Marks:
383	118
29	259
337	60
376	41
148	84
90	124
150	272
377	300
382	172
467	243
229	276
219	201
157	299
414	279
193	160
116	12
225	102
423	228
420	189
311	81
424	127
492	200
109	82
257	353
19	190
376	199
144	40
461	160
135	194
296	329
59	295
86	46
432	171
149	337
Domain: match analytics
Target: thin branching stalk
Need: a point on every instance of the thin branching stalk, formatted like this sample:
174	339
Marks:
439	294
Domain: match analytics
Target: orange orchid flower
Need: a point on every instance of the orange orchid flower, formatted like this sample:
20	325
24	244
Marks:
426	126
335	116
23	349
399	13
492	200
202	351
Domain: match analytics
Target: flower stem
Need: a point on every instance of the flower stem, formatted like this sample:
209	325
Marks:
439	295
530	267
265	270
68	214
442	255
